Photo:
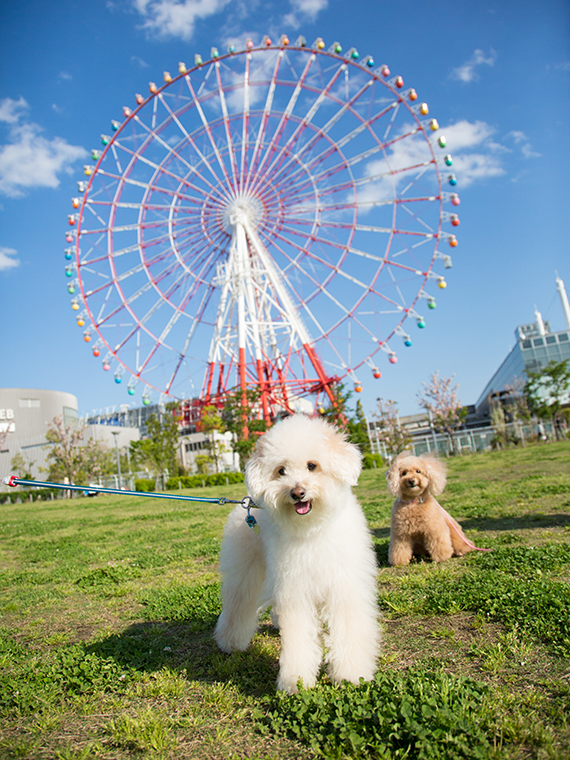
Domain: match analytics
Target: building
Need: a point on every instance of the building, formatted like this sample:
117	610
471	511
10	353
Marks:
191	443
24	417
195	444
126	416
535	347
25	414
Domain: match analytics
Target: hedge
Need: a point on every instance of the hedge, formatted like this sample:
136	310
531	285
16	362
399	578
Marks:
197	481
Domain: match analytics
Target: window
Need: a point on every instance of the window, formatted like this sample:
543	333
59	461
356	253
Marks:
29	403
69	416
538	342
551	339
563	337
527	344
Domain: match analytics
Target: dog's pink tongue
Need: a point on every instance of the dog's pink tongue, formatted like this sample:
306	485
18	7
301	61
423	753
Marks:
303	507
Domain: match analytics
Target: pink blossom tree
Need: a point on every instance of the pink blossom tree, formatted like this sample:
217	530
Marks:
388	429
439	399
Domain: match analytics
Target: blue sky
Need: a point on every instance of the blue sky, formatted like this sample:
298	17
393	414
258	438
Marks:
495	74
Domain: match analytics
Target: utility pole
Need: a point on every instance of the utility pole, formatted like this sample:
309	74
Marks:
116	434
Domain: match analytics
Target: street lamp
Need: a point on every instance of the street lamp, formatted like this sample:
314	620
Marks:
116	434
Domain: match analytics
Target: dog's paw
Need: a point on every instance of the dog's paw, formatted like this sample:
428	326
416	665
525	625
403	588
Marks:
229	640
290	683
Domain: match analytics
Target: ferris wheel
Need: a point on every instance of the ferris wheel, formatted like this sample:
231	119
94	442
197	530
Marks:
271	218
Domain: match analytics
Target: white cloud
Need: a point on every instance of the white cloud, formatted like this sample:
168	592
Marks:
29	159
139	62
11	110
6	258
467	72
304	10
520	139
471	167
175	18
65	76
476	156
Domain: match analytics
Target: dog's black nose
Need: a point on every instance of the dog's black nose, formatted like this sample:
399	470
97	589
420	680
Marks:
298	493
412	482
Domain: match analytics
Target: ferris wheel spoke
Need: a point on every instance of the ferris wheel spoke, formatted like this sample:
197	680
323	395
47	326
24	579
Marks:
326	207
170	152
344	164
335	269
304	123
415	217
320	287
339	144
161	170
95	213
116	157
230	188
418	176
256	166
188	138
245	123
229	139
97	319
391	123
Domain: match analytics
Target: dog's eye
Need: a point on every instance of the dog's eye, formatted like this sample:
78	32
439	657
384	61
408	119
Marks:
404	472
419	472
311	466
281	471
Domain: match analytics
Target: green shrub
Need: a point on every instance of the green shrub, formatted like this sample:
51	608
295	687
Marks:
145	485
197	481
371	461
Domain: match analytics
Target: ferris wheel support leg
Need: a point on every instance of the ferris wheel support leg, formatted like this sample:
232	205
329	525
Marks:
208	383
263	387
326	381
243	389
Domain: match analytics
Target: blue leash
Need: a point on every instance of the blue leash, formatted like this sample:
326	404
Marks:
247	502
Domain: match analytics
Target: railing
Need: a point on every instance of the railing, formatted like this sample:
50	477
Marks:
470	441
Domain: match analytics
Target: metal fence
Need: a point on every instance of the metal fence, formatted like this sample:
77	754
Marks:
470	441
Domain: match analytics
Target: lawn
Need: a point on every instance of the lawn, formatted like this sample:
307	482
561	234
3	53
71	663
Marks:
108	604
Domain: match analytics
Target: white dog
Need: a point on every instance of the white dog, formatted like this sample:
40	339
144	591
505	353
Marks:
312	559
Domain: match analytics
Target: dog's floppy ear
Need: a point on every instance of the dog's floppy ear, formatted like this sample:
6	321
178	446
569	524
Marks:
437	473
345	461
393	474
255	473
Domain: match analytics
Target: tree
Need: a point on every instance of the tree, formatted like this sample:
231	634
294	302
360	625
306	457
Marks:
388	429
337	411
210	422
203	462
98	460
358	429
232	415
20	467
158	450
66	455
546	390
499	424
440	401
73	458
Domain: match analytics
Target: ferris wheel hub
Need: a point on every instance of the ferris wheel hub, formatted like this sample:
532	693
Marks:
246	210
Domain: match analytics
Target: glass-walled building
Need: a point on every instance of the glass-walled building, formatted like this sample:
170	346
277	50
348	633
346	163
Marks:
536	346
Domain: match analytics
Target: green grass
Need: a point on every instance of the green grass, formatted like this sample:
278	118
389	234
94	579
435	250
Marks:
107	607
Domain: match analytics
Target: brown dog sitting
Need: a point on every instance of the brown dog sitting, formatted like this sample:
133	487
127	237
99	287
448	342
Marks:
419	524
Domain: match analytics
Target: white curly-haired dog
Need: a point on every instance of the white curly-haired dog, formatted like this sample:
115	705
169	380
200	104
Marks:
312	559
420	525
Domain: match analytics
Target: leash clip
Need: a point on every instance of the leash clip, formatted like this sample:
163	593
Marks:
247	503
